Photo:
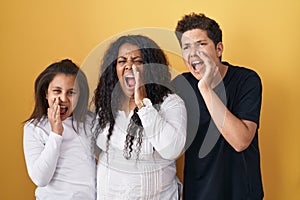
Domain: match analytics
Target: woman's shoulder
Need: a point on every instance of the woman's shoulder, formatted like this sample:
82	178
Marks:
173	99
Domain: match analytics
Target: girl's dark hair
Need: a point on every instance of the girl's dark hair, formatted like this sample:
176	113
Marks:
107	94
199	21
41	85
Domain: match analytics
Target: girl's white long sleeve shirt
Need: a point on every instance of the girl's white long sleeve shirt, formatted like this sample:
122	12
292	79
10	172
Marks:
62	166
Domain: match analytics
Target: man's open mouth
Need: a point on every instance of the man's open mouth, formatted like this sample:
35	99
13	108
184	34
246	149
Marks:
197	64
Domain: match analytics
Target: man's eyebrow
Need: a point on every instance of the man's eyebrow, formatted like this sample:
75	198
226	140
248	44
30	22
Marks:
189	43
186	43
198	41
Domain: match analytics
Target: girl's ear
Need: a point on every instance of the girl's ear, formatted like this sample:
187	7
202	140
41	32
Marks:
220	49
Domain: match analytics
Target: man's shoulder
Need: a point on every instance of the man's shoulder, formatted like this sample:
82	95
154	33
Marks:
185	84
241	73
186	75
186	78
240	69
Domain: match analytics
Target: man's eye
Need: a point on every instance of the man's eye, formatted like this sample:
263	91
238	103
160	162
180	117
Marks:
185	47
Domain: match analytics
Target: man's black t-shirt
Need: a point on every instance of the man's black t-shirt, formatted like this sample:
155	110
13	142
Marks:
213	169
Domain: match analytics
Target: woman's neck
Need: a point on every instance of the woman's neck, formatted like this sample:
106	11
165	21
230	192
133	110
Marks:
127	105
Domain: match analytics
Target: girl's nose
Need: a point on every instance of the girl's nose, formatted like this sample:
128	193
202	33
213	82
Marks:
62	97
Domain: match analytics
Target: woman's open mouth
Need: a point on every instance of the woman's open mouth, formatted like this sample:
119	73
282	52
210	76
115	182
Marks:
130	81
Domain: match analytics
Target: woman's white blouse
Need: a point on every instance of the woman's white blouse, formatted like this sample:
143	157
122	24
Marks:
153	174
63	167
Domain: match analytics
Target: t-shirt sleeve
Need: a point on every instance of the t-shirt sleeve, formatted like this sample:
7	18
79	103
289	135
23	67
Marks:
249	98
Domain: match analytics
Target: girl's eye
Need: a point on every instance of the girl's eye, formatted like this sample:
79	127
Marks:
56	91
72	92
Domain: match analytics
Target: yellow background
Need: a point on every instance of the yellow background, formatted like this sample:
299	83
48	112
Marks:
262	35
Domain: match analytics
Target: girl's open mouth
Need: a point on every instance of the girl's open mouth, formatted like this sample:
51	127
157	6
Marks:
63	110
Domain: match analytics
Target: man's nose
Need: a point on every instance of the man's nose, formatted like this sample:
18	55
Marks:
193	51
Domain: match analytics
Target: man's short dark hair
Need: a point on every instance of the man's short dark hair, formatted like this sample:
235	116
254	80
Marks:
199	21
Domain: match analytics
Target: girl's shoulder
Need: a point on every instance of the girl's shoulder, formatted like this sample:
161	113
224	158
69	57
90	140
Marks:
35	123
37	129
90	117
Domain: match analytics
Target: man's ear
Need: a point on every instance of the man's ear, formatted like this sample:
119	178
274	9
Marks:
219	49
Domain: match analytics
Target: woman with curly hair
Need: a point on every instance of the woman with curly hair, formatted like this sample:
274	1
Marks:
140	125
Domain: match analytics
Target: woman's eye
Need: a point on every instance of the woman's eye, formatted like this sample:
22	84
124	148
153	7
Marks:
121	61
139	62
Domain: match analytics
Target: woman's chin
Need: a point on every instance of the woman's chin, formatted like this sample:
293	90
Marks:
129	91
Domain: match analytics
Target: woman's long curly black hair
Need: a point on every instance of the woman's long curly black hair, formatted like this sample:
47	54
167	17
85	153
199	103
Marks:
107	95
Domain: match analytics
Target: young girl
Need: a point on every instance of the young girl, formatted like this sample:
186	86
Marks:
57	136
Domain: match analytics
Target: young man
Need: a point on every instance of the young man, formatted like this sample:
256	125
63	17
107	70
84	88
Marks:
222	159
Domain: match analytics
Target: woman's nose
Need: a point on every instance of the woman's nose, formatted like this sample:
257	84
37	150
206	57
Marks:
128	64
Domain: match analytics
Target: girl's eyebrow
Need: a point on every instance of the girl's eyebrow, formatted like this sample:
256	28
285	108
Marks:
56	87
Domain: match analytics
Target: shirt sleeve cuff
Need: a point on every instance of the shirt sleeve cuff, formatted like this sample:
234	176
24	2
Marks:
147	115
56	137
